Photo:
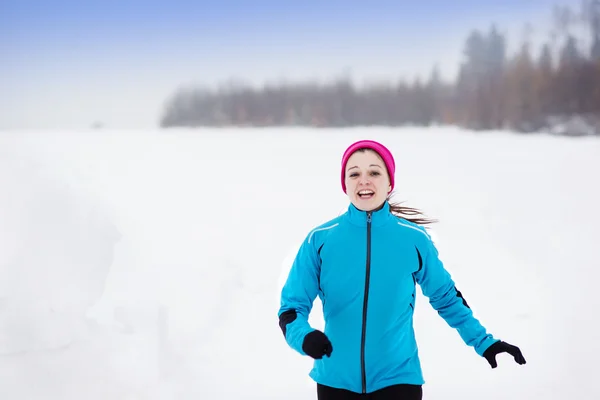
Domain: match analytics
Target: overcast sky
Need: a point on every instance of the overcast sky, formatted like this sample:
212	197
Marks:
66	64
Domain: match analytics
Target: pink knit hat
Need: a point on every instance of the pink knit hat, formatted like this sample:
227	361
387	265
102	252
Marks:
383	152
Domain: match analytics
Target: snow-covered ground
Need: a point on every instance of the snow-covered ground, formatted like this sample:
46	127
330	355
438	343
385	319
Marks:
147	265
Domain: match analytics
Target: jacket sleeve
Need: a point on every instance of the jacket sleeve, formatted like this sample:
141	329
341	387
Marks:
298	294
437	284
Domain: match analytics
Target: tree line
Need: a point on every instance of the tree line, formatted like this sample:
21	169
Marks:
493	90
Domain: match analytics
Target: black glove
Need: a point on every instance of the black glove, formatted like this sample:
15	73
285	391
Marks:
503	347
317	345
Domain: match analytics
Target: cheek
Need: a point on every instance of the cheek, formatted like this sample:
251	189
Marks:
384	185
349	185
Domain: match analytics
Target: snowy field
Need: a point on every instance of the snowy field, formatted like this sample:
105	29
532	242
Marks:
147	265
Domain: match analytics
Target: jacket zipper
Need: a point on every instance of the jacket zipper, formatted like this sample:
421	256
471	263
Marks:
366	300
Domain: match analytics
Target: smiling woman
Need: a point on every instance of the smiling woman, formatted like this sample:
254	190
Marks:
367	260
368	182
369	178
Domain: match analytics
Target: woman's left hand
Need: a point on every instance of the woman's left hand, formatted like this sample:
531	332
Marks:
503	347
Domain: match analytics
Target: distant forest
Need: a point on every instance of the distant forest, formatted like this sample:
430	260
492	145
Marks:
527	92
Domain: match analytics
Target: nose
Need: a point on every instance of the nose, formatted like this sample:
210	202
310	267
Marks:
364	181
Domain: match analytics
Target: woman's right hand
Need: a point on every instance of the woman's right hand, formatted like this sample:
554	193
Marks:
316	344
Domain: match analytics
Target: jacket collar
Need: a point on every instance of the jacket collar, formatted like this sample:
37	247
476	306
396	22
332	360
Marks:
379	216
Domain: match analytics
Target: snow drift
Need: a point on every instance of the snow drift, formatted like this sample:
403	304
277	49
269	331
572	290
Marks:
147	265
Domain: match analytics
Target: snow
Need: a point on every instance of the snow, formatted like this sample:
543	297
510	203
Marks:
147	265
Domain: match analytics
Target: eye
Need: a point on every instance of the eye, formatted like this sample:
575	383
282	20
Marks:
375	173
354	174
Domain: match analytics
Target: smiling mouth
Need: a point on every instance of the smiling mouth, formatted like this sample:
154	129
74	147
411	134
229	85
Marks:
366	194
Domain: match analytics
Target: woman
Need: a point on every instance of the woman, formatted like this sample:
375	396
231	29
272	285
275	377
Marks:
364	266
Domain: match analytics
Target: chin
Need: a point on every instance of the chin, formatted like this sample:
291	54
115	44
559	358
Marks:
367	205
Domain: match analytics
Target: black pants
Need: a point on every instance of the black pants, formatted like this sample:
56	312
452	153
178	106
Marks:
395	392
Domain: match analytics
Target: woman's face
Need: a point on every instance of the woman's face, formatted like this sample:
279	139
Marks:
367	180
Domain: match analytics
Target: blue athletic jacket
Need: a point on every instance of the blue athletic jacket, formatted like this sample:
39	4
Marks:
364	266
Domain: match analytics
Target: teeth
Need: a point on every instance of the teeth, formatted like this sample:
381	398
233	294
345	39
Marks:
365	192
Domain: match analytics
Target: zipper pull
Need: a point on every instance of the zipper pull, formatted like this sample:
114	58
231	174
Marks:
369	217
